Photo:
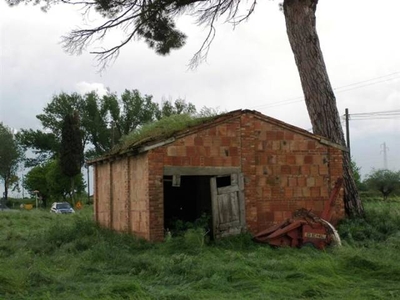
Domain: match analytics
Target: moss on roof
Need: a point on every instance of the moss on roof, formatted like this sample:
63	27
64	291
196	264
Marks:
160	130
180	125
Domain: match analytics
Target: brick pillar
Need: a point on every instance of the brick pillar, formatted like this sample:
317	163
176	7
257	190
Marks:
96	193
249	169
335	172
127	205
110	203
156	194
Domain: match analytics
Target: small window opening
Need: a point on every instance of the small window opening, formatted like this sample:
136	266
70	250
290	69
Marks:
223	181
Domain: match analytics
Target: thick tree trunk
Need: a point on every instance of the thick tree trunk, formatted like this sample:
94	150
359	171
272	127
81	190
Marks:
318	92
5	194
6	185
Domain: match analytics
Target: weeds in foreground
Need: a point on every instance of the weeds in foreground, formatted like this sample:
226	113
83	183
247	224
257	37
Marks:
382	221
43	256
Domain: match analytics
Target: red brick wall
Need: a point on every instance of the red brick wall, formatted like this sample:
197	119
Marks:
102	195
138	205
283	171
121	195
118	194
335	172
156	194
248	136
216	146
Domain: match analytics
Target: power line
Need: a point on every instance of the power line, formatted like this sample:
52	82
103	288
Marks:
358	85
387	114
355	85
281	103
364	85
396	111
377	115
368	80
377	118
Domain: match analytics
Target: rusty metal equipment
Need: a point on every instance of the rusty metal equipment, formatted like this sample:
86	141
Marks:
305	228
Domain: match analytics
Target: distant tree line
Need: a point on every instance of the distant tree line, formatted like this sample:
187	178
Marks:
78	127
382	181
11	155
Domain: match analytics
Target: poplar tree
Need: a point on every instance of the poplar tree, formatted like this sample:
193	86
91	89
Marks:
10	157
71	150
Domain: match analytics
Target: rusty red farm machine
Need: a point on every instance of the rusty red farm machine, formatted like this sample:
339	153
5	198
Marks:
305	227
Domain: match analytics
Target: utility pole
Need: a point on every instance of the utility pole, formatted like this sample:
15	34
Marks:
347	116
385	150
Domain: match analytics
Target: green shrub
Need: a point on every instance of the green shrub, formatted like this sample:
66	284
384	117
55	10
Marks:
382	220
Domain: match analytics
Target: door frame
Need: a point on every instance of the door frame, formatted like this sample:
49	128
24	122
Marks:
216	172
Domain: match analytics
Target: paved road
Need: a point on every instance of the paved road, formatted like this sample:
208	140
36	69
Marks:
8	210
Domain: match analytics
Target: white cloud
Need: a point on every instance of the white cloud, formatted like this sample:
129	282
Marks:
249	67
84	87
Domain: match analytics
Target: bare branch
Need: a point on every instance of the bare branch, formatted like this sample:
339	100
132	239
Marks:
208	15
85	3
201	55
78	40
107	56
133	15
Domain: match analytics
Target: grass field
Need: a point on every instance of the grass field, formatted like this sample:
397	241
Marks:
45	256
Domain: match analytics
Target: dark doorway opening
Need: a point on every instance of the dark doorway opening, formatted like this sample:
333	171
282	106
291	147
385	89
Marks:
187	202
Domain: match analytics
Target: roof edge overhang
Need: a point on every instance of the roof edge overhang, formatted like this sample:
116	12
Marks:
156	143
298	130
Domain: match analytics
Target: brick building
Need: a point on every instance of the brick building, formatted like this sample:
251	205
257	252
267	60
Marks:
245	170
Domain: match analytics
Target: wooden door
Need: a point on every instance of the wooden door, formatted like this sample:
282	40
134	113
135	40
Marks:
228	207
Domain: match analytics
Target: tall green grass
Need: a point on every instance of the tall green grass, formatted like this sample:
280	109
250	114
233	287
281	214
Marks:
44	256
382	222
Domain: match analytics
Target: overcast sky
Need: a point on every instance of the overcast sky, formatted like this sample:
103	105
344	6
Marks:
249	67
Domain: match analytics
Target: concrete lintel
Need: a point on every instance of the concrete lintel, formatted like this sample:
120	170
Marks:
328	143
200	171
156	145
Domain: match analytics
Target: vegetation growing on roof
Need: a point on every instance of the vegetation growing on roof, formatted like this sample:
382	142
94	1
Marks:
163	129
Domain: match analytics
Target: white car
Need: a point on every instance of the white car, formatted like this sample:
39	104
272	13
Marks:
62	208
